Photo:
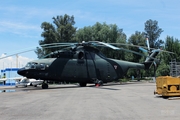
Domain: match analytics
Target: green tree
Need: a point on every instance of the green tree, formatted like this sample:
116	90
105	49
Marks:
101	32
171	45
137	39
163	69
104	33
62	30
153	32
84	34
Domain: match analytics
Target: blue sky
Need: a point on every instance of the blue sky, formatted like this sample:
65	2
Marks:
21	19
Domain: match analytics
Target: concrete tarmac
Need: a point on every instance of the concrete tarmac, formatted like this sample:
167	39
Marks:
131	101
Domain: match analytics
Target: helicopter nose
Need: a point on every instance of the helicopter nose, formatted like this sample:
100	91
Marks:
21	71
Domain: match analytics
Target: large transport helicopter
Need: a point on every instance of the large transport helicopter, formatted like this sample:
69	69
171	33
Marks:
82	63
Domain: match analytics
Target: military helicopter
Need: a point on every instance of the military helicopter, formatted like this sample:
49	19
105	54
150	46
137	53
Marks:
82	63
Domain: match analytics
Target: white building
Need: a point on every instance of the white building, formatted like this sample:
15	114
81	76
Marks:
9	73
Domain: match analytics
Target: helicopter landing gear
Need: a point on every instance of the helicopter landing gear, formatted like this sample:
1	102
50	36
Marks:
44	86
82	84
98	83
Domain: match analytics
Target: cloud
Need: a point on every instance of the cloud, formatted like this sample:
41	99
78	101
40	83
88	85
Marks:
15	26
13	62
20	29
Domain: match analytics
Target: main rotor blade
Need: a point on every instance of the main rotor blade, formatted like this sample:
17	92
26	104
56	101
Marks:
56	46
17	53
137	53
117	48
105	44
124	44
50	44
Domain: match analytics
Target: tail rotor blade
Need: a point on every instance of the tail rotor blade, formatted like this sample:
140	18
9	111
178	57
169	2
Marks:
147	41
142	49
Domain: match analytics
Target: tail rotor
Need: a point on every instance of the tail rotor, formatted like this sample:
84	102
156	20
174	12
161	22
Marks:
152	54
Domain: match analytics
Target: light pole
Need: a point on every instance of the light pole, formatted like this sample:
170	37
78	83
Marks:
3	61
16	60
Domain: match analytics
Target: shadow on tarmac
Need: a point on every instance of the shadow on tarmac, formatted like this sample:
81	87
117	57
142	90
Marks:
67	86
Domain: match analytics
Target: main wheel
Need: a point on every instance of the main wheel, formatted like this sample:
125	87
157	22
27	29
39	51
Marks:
99	83
44	86
82	84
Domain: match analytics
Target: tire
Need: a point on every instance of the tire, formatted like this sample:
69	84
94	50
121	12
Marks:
44	86
82	84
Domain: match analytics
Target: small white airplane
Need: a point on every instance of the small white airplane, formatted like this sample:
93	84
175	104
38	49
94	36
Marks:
3	79
23	81
28	82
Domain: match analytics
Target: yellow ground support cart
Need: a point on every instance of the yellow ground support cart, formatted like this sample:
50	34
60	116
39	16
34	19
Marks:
167	86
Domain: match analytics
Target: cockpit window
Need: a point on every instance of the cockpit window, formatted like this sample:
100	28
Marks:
25	81
30	66
33	66
42	66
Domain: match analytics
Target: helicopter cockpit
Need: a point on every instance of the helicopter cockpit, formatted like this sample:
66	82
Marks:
30	65
33	65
